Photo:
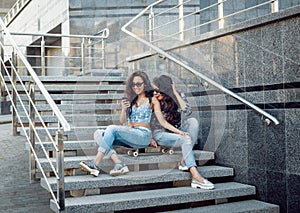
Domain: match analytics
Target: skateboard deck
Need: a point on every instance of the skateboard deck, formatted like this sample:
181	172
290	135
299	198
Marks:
148	150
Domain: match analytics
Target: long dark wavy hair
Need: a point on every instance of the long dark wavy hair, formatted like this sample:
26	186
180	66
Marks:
131	95
169	103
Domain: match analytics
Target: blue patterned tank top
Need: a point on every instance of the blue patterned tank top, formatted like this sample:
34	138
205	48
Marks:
141	114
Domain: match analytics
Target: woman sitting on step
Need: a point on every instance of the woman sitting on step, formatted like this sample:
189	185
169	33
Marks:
137	113
172	104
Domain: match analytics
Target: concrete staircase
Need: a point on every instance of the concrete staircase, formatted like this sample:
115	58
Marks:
154	183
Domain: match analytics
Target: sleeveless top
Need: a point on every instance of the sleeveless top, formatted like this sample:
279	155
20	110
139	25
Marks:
141	114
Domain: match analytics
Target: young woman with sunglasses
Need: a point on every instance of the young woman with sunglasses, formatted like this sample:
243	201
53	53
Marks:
186	133
136	112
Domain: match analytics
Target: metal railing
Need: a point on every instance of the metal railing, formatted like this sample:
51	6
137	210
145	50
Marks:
187	11
15	9
46	54
149	10
25	113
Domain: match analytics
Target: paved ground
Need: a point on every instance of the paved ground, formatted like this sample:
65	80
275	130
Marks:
17	195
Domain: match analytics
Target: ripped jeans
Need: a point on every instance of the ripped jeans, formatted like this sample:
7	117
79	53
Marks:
137	137
169	139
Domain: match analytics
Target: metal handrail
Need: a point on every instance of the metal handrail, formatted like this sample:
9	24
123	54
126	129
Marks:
208	80
58	146
65	125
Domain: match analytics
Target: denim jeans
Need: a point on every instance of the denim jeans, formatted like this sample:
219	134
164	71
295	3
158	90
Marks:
169	139
137	137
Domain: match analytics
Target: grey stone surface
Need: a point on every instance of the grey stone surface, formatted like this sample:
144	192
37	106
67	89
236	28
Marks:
253	206
73	162
136	178
17	195
158	197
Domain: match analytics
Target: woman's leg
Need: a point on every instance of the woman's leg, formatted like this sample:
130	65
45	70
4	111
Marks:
191	125
169	139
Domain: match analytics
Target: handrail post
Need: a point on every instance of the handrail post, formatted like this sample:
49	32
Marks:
43	59
103	43
181	20
2	97
60	170
151	24
14	95
82	56
32	162
221	13
275	6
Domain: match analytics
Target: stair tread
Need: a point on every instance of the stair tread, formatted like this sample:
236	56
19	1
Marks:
73	162
151	198
234	207
136	178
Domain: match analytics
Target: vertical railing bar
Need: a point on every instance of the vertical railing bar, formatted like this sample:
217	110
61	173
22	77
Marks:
14	97
151	24
32	164
60	169
275	6
43	59
82	56
221	13
181	20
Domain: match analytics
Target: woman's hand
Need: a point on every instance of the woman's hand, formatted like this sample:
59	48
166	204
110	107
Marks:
182	133
153	143
125	104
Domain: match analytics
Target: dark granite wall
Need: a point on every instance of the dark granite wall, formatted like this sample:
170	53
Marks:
262	64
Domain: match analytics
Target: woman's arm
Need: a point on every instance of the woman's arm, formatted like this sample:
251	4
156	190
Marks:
123	116
162	121
183	104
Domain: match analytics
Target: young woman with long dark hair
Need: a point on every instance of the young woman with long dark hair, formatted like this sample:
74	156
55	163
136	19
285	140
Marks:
185	134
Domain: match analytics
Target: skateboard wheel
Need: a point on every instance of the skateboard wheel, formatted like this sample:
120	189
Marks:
129	152
163	151
135	154
171	151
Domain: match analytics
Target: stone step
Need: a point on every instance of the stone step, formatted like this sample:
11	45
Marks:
153	198
149	158
247	206
135	178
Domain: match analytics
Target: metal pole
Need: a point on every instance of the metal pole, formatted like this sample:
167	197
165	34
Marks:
43	59
60	170
82	56
221	14
275	6
151	24
14	96
181	20
32	162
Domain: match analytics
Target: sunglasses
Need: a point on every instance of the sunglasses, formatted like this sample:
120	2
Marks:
138	84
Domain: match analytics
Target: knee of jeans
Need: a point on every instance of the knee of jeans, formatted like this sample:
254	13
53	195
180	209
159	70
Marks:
187	139
193	122
111	129
98	133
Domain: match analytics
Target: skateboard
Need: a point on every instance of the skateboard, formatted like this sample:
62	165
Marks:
148	150
127	150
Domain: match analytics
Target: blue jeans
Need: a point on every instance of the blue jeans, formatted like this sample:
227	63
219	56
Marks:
169	139
137	137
